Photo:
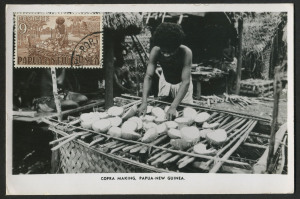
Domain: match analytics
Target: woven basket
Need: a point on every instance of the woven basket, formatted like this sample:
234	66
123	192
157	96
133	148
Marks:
76	158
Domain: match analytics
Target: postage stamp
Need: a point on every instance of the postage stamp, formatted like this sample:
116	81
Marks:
58	40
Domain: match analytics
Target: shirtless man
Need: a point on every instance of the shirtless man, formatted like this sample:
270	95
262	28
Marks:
175	60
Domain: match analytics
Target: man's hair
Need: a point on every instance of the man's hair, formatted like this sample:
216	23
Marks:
60	20
168	35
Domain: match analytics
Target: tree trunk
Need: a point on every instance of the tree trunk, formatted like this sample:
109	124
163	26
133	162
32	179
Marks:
239	61
109	68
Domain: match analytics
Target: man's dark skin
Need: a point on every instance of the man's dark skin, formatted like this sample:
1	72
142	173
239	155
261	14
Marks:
123	75
185	77
229	52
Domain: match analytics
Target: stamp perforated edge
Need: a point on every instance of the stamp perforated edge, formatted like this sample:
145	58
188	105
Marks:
15	39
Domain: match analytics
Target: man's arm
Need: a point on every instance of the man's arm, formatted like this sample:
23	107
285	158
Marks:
61	77
118	83
148	78
185	80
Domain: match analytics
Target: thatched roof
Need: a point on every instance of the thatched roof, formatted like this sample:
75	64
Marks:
126	23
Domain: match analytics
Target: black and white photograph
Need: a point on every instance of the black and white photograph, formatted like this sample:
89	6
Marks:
167	96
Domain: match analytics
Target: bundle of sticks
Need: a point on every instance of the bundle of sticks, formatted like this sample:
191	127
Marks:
208	100
236	99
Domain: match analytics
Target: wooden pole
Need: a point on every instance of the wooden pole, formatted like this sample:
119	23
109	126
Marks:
218	165
55	93
55	156
277	90
109	68
137	77
239	61
261	165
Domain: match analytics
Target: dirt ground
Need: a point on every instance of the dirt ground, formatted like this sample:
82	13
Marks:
262	110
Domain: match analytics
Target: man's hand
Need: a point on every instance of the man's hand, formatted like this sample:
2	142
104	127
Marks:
142	109
60	80
171	113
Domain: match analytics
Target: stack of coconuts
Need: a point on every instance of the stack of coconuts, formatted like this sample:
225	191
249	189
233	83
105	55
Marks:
188	134
183	131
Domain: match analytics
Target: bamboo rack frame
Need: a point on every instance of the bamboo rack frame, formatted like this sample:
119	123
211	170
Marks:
167	155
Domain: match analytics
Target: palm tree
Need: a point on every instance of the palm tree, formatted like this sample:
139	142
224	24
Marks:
76	23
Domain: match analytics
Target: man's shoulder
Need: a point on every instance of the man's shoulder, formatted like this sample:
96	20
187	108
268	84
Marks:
155	50
185	49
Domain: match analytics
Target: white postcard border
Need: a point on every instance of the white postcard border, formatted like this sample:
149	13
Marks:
53	184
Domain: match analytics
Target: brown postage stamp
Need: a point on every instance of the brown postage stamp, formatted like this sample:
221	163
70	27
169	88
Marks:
58	40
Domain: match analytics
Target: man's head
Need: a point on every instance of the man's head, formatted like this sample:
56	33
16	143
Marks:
168	36
60	20
229	42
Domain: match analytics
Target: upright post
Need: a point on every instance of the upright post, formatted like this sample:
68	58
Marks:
109	68
277	90
55	155
55	93
239	61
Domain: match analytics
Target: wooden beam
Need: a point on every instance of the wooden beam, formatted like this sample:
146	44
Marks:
239	59
109	68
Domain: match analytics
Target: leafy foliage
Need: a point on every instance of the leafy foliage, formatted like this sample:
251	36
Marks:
258	31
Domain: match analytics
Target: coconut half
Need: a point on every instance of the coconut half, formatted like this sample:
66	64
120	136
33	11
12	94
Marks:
201	117
85	116
210	126
158	112
180	144
128	134
87	119
149	109
148	125
129	126
190	113
201	149
204	132
174	133
159	120
171	124
182	122
190	134
87	124
131	112
101	126
103	115
115	111
217	137
115	131
150	135
115	121
148	118
162	128
138	121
